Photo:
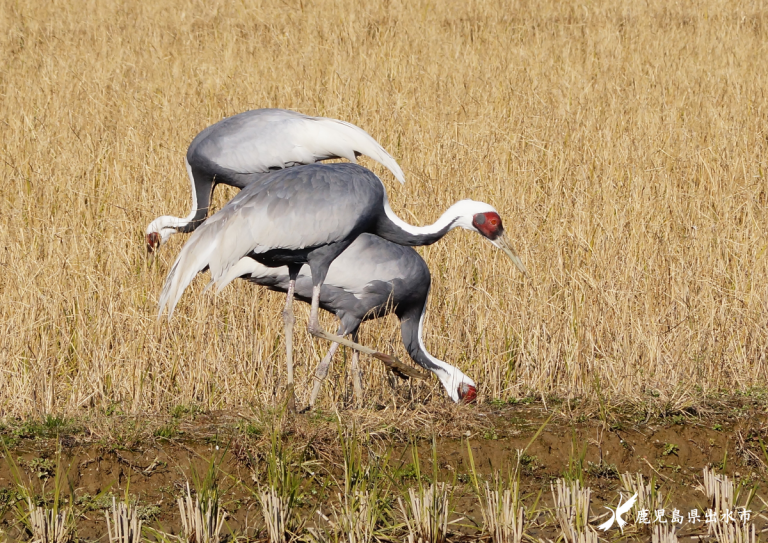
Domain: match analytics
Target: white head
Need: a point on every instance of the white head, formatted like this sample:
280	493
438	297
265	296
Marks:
476	216
485	220
459	387
159	231
162	228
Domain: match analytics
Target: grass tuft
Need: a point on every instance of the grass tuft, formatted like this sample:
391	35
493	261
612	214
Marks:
503	514
280	497
572	511
732	533
426	508
125	523
363	513
203	518
648	496
664	533
426	513
55	525
729	506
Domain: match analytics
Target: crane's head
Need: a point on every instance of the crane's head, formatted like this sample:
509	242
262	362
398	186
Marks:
459	387
157	234
467	393
485	220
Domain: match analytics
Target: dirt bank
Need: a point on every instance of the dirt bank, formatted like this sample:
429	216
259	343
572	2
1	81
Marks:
153	462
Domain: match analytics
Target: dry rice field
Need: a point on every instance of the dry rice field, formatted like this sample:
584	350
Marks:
623	143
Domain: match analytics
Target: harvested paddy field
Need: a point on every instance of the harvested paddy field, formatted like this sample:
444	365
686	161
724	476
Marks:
624	146
325	455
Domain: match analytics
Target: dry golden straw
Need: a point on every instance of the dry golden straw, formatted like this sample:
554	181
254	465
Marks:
623	144
50	525
125	525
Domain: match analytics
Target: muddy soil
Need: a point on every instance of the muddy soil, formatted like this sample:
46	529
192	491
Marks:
155	468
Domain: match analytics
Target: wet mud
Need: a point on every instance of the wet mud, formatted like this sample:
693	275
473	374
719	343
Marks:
154	471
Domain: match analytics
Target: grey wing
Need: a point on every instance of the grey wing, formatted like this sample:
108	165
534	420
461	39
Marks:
373	277
372	259
368	260
296	208
262	140
248	268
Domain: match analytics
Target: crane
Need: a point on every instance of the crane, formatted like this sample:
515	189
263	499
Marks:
310	215
246	147
372	278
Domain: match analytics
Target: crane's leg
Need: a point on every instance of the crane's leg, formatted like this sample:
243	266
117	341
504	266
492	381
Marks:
392	362
321	373
357	382
288	320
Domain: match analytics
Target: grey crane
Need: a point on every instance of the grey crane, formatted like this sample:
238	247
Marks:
370	279
310	215
244	148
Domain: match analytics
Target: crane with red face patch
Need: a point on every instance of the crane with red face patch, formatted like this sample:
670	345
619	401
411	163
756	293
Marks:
372	278
310	215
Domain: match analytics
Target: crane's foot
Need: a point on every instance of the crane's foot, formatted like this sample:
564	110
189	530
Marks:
390	361
399	369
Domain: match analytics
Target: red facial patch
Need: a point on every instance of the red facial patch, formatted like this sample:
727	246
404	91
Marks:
468	395
153	241
489	224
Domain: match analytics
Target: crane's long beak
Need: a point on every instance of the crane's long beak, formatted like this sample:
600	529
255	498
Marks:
502	242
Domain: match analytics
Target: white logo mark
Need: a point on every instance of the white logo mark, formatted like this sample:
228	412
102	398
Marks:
616	515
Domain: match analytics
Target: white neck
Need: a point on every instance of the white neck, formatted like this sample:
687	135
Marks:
450	376
171	222
459	214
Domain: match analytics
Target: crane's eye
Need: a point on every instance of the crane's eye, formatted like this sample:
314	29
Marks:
488	224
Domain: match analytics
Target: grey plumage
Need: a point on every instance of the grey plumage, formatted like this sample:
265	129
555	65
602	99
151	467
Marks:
244	148
300	210
264	140
310	215
370	279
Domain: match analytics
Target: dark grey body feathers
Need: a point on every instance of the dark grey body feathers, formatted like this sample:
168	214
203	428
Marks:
370	279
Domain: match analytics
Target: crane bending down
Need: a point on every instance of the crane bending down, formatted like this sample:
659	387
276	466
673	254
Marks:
246	147
310	215
370	279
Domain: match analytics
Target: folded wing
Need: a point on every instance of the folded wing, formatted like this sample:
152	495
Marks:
263	140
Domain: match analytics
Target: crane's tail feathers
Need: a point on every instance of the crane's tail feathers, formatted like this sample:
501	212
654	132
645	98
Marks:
165	294
194	257
244	266
208	287
354	139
